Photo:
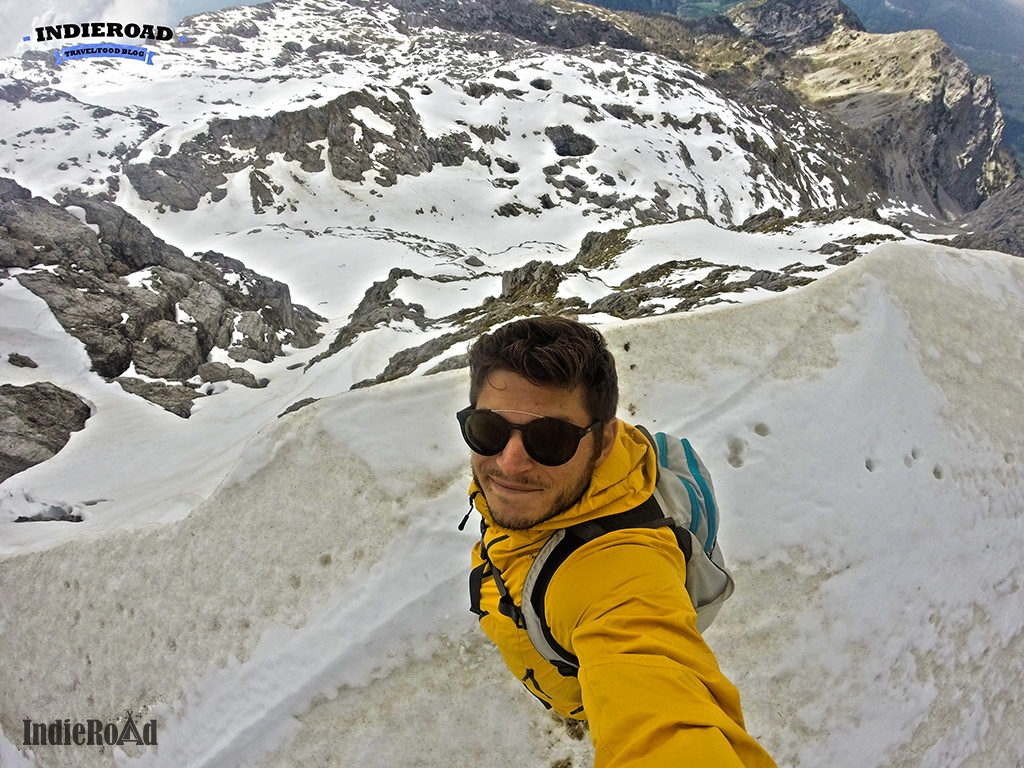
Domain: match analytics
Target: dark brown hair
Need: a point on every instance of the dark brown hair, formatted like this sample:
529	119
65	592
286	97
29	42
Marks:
550	351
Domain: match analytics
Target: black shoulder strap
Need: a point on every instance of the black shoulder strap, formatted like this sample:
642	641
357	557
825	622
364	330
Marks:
506	604
647	515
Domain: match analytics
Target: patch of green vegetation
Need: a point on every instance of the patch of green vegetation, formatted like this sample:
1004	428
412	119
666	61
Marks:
702	8
692	9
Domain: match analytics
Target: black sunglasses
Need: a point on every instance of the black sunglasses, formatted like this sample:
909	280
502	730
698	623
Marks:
548	441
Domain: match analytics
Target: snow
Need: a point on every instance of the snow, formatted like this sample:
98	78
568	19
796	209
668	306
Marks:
285	591
192	85
290	590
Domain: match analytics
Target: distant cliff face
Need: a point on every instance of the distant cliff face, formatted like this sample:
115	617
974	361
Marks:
936	126
929	126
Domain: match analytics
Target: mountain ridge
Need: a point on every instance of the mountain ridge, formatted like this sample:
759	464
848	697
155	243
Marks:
401	127
986	34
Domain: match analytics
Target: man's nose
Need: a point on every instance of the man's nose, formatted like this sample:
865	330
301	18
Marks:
514	457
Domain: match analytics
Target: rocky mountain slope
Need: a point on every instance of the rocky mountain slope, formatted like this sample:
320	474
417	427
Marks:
932	128
464	163
987	34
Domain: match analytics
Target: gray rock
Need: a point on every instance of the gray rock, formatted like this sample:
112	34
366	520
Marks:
258	342
174	398
377	307
246	28
214	372
208	307
93	310
297	406
246	378
271	299
788	25
227	42
21	361
167	351
41	233
623	304
997	225
118	323
36	421
12	190
569	143
534	281
131	245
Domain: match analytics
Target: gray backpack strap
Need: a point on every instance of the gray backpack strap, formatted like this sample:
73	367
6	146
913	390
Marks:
683	499
555	551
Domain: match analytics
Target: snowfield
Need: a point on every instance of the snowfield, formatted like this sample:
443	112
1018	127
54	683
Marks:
292	591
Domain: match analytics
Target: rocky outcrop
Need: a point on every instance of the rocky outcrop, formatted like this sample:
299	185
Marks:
19	360
175	398
534	282
36	421
789	25
12	190
359	133
539	287
997	225
214	373
377	308
562	26
568	142
133	299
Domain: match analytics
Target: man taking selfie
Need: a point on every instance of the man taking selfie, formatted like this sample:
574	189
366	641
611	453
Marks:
548	452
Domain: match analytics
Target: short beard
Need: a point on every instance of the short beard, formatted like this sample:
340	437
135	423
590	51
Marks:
562	503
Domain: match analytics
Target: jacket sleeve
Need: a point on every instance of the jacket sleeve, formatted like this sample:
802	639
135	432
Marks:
652	689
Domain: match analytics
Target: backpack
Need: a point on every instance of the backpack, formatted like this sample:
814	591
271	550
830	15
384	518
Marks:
684	500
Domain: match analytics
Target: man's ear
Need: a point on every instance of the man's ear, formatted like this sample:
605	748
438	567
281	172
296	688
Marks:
609	432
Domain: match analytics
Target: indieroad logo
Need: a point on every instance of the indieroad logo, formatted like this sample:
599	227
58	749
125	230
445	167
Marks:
92	733
103	30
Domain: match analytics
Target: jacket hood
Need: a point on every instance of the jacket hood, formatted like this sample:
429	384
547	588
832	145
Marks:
624	480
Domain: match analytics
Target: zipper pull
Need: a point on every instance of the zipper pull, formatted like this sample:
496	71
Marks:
472	498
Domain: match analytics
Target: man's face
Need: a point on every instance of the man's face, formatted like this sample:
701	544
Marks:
520	492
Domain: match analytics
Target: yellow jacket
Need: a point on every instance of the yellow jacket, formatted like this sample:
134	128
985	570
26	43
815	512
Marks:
648	684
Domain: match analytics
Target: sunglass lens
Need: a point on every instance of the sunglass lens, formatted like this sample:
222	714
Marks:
550	441
487	433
